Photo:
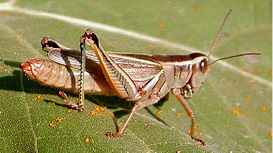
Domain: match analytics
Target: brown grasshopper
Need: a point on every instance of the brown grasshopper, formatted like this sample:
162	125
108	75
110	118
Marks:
142	78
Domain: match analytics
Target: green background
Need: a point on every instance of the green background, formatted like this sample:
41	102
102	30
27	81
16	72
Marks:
243	83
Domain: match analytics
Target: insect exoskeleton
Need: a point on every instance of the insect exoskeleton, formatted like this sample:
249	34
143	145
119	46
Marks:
142	78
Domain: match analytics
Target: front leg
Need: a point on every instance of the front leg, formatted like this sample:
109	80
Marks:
117	78
189	111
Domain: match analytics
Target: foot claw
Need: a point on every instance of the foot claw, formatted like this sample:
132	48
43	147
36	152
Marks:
199	140
110	134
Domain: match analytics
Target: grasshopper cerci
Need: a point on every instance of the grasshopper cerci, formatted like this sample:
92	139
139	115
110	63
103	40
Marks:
142	78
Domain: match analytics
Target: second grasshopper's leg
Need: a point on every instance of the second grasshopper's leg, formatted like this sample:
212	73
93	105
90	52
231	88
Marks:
189	111
137	106
67	101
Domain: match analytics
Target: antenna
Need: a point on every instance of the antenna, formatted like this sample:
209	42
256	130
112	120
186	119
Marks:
219	33
235	56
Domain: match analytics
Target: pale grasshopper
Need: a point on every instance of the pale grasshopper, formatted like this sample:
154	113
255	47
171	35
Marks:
142	78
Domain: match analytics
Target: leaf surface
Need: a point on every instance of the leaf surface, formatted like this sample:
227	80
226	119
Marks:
233	108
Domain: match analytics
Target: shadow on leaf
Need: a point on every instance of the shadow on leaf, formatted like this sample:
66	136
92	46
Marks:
15	64
19	82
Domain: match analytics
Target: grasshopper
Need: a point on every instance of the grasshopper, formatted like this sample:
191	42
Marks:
142	78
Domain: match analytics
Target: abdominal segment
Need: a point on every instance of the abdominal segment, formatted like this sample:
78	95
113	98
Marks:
63	77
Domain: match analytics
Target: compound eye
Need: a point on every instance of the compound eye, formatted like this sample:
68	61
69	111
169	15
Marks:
204	65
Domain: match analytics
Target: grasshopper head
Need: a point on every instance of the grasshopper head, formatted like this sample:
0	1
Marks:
200	68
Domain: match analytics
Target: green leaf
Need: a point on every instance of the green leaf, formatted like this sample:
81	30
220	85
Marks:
233	108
